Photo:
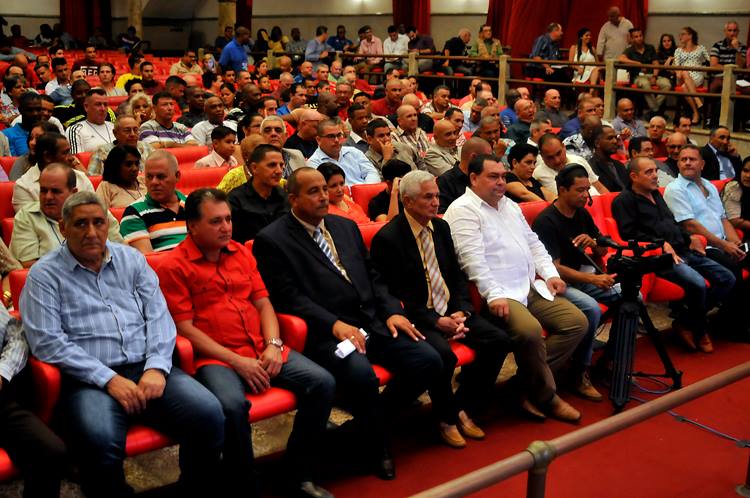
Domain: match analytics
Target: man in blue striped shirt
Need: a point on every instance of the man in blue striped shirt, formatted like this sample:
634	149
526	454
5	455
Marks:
94	309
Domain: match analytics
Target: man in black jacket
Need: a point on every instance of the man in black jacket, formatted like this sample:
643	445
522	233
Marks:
720	155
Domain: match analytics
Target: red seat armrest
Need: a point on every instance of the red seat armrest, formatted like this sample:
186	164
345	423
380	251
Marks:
183	354
47	385
293	331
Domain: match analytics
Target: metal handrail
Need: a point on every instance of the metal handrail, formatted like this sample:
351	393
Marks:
537	457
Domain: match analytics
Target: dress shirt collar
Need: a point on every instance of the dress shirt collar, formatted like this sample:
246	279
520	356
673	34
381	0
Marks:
36	207
193	253
479	202
70	262
686	182
416	227
355	137
310	229
216	159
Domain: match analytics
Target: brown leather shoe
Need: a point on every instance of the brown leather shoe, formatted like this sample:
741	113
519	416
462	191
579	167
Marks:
586	390
451	436
685	335
705	344
561	410
532	412
468	428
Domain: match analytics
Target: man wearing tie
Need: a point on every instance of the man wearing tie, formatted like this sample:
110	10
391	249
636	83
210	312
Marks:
720	155
414	253
316	266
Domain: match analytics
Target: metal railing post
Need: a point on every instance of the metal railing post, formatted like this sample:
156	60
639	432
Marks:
543	454
610	78
502	77
726	117
413	65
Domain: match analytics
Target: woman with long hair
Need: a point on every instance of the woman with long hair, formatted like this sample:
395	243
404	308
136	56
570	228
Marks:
665	55
691	54
277	41
339	203
261	43
121	185
583	51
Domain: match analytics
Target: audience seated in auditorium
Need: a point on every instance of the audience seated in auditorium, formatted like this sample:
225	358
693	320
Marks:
551	110
387	203
453	183
318	51
514	301
36	229
728	50
395	44
547	48
89	64
538	128
50	148
237	176
382	148
304	139
611	173
357	168
359	116
441	102
156	222
223	139
473	115
134	62
196	102
257	203
657	127
139	106
162	132
675	141
456	117
638	53
625	123
115	366
553	158
61	79
370	46
339	203
582	143
735	196
519	131
684	126
720	156
273	131
72	113
414	253
642	214
300	259
409	133
214	116
490	130
456	47
442	155
94	131
149	83
613	35
391	102
520	184
187	64
238	329
121	183
582	52
585	107
424	121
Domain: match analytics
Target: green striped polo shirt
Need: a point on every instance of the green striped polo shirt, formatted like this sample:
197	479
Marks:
146	218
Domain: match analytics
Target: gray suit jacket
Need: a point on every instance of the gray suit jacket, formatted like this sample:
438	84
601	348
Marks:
439	159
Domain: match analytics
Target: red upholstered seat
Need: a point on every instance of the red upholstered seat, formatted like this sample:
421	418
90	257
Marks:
362	193
6	200
193	179
117	213
531	210
84	157
369	230
7	469
114	102
95	180
7	230
188	154
7	163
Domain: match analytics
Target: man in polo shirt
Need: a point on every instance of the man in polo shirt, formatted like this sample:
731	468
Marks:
157	222
125	132
409	132
260	201
89	64
214	109
390	103
356	166
547	48
233	54
643	53
36	229
162	132
729	50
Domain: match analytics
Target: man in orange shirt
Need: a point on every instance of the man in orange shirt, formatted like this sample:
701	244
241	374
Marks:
219	302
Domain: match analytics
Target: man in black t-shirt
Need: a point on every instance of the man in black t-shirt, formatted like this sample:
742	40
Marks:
566	229
379	207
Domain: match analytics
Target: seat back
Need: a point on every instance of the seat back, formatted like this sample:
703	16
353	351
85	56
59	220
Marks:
532	209
117	212
16	279
188	154
84	157
369	230
7	230
193	179
362	193
7	163
6	200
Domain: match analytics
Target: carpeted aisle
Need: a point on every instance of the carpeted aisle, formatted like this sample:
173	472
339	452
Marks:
660	458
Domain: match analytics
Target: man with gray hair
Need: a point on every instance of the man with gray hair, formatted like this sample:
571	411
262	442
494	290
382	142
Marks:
537	128
156	222
430	284
273	131
94	310
474	115
36	229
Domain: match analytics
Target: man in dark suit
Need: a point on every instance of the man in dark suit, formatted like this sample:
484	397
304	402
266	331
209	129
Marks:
414	252
316	266
720	156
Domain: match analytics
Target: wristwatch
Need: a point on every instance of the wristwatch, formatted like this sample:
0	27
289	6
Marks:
276	342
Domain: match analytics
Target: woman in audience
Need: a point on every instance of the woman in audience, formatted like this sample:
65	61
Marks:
139	106
13	88
338	202
24	162
521	185
134	86
121	186
277	41
227	94
249	125
583	51
691	54
736	199
261	43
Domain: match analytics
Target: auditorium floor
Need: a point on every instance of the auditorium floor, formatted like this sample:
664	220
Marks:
157	469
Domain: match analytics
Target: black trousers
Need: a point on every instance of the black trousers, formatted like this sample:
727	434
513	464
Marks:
31	445
737	299
477	378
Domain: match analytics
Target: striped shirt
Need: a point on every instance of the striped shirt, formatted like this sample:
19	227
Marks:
153	132
86	136
15	351
86	323
147	219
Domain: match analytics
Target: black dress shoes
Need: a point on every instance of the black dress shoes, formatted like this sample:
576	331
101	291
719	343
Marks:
308	489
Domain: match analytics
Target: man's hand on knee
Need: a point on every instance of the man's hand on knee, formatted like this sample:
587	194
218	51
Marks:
152	384
127	393
499	307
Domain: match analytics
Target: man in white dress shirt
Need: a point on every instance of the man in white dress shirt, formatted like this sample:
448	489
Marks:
515	275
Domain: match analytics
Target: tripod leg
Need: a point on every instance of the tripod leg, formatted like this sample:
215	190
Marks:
622	337
661	350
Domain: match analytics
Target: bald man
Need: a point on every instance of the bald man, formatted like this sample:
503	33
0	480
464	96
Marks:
307	130
389	104
519	131
551	111
456	47
657	126
675	141
453	183
408	132
442	155
625	123
613	35
424	121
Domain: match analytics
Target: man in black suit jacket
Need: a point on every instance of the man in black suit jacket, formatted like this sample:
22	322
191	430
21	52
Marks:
720	150
404	261
316	266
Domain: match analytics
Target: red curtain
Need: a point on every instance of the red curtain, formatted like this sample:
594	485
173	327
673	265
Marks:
518	22
412	12
80	17
245	14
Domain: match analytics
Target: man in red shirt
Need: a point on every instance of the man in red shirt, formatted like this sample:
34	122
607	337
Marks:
219	302
389	104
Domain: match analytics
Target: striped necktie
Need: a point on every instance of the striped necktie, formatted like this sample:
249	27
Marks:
324	246
434	278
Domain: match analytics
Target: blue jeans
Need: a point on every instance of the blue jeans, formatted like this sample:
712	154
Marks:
97	425
587	298
691	276
314	388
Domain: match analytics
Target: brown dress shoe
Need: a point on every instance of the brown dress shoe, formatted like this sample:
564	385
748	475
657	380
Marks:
685	335
705	344
468	428
451	436
531	411
561	410
586	390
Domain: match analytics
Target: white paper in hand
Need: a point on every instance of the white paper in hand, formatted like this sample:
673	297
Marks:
541	287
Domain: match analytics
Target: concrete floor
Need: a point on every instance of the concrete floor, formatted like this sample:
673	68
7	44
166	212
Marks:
149	472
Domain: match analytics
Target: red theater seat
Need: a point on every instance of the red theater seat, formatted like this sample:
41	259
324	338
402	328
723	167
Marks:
369	230
7	230
362	193
193	179
531	210
188	154
84	157
7	163
117	212
6	200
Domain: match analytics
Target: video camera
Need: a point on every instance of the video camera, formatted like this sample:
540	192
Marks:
630	269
